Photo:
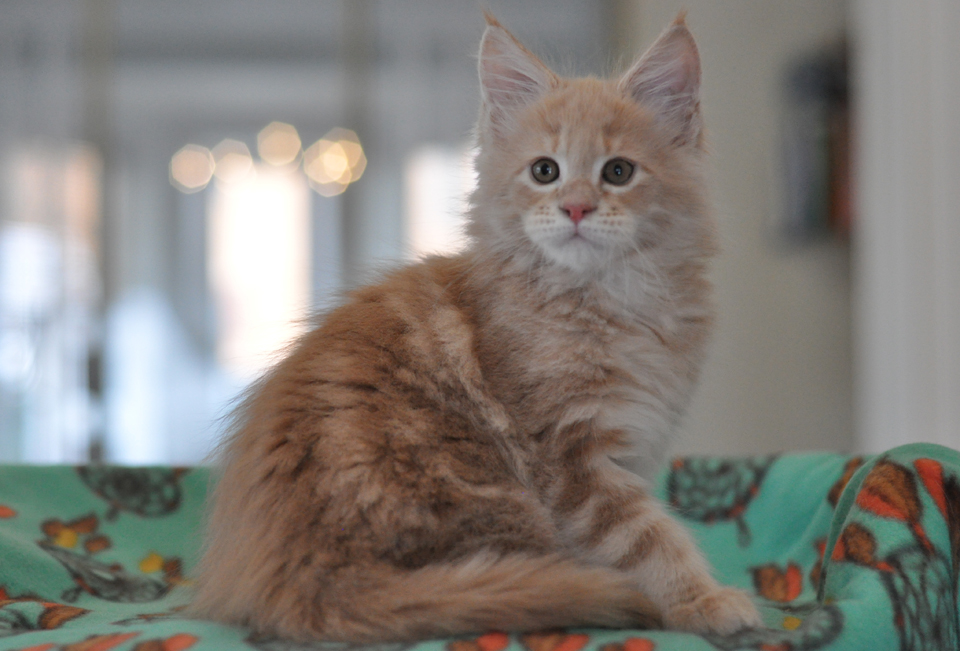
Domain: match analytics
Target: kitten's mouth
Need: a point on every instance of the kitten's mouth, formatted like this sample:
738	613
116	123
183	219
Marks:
578	236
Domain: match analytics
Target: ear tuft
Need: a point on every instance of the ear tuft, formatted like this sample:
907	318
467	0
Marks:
666	79
491	19
510	75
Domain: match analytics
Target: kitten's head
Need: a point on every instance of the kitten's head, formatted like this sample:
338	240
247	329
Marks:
586	173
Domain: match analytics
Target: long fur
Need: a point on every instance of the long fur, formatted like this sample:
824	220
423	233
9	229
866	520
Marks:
443	454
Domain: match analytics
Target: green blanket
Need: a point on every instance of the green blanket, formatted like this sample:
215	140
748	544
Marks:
842	553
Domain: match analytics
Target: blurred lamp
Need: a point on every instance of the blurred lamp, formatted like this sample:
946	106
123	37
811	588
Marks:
278	144
191	168
334	162
233	161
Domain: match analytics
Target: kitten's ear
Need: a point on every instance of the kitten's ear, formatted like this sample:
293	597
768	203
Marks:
666	79
510	75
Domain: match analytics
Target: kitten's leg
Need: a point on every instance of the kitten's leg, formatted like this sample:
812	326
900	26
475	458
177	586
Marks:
618	524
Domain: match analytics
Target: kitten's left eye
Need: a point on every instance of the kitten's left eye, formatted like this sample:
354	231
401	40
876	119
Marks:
617	171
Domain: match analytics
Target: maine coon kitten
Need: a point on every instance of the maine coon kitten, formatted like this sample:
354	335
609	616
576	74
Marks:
438	456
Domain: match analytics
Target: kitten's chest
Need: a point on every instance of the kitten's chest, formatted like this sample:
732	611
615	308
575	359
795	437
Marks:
623	380
549	367
590	357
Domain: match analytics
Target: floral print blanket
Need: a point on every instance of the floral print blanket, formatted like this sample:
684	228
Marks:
842	553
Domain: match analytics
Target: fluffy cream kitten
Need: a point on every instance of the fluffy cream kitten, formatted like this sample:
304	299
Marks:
443	454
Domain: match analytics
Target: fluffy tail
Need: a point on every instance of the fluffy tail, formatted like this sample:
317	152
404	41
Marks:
485	593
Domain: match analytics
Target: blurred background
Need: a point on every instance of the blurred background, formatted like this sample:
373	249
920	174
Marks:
183	183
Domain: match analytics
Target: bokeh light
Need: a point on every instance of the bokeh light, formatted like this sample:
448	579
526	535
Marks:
233	161
279	144
334	162
191	168
330	164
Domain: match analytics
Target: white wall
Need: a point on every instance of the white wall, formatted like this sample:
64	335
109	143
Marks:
907	267
779	377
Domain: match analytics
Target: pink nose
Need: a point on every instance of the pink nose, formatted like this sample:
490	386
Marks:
576	212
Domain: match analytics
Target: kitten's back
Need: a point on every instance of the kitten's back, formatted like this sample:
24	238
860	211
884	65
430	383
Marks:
365	497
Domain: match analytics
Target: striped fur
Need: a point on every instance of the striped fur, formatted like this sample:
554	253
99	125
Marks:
438	455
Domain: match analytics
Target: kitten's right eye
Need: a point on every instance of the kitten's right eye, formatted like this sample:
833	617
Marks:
545	170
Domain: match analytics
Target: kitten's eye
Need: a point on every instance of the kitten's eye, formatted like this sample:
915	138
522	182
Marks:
545	170
617	171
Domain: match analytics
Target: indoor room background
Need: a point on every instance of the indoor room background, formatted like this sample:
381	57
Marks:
183	184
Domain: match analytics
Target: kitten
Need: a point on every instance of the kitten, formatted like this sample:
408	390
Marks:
440	456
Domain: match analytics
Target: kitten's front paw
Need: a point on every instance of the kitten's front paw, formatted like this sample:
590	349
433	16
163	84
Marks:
721	611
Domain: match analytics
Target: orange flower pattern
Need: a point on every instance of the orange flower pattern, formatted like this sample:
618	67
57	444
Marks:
896	518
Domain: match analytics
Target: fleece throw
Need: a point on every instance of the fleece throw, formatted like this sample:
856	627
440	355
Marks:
841	552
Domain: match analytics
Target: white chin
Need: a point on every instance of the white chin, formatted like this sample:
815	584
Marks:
576	254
